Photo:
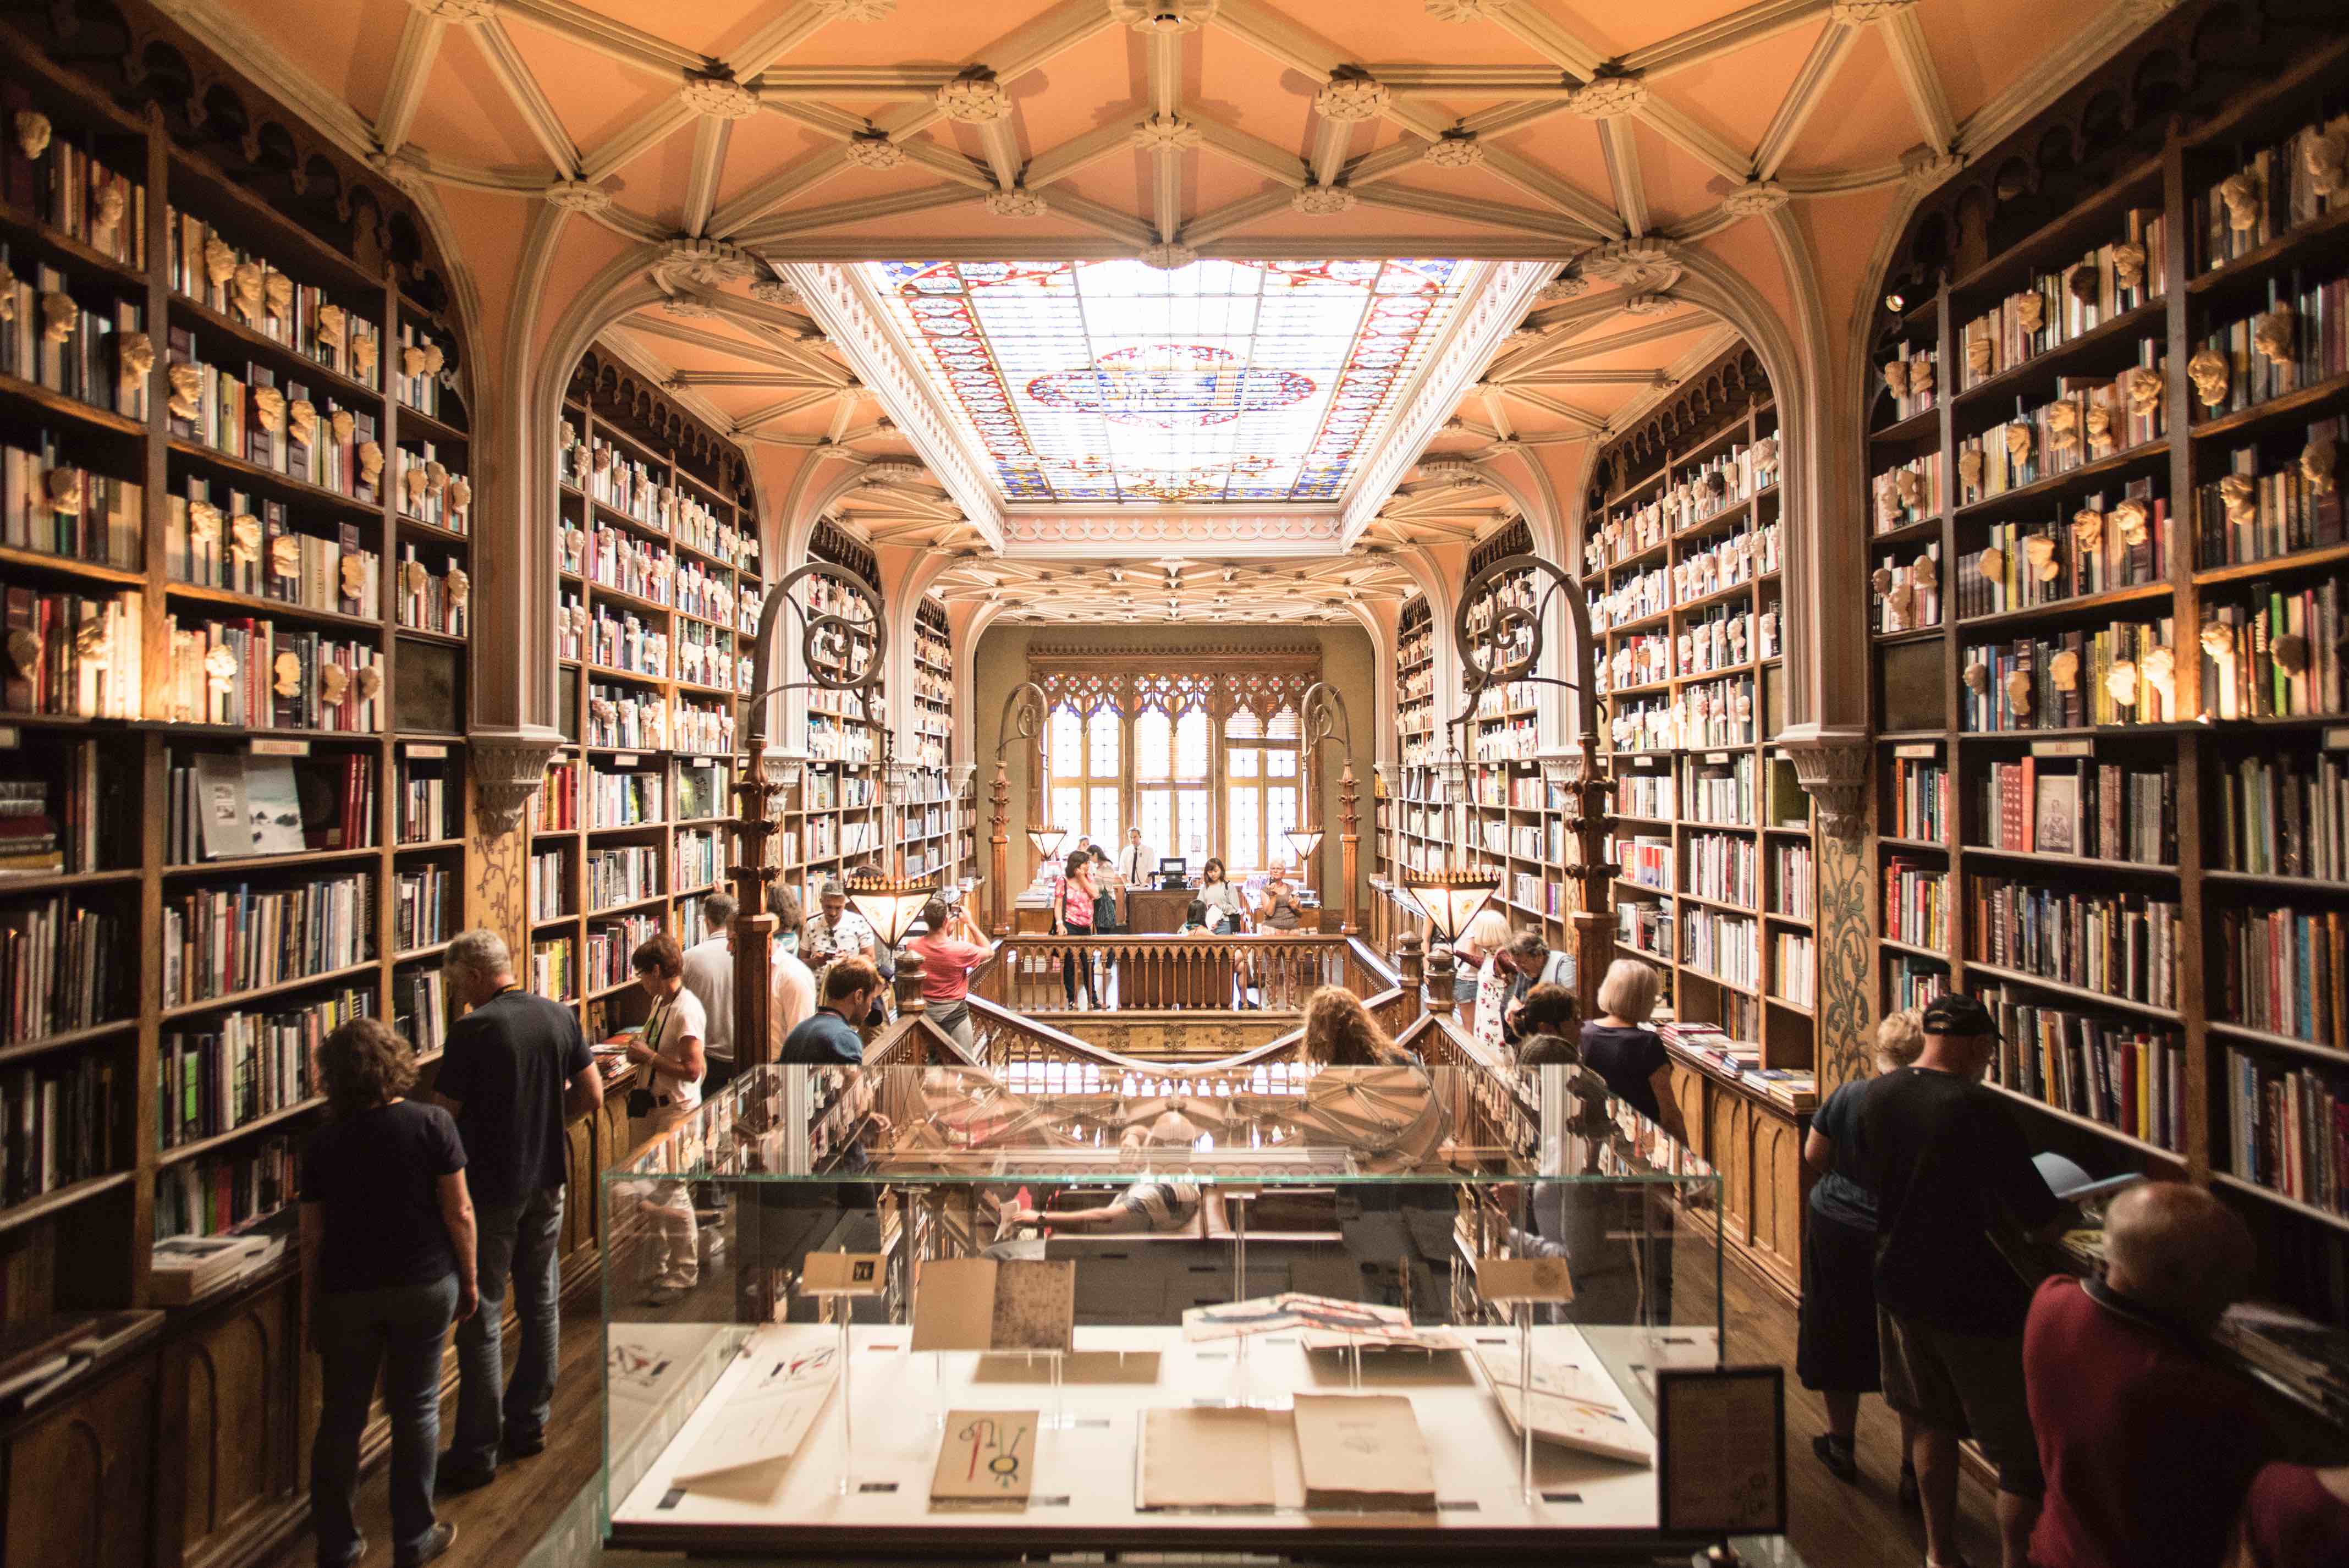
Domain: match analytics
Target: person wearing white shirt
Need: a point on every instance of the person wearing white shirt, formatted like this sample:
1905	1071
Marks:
670	1053
1137	861
709	976
792	1002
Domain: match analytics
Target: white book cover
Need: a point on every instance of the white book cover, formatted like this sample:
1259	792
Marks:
273	805
222	807
765	1419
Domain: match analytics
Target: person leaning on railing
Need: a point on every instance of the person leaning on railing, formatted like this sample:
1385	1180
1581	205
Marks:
951	946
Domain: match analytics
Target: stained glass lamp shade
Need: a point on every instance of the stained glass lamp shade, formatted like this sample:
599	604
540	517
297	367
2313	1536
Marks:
1304	840
1047	841
1451	898
891	904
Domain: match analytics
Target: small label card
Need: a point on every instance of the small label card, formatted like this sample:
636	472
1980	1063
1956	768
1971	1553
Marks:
986	1460
845	1273
1503	1280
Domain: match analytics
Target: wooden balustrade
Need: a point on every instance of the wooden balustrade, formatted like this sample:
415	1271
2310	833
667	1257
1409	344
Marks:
1026	1050
1275	971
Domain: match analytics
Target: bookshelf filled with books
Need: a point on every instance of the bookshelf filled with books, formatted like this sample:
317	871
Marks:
2110	769
1679	559
235	555
661	577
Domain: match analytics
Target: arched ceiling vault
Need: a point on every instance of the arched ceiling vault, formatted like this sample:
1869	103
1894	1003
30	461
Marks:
753	143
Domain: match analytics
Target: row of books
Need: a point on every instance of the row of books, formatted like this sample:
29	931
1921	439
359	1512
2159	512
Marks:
50	505
622	876
217	536
2301	339
421	370
619	560
704	656
1916	904
1908	492
422	903
1648	927
2123	944
230	805
622	641
2286	971
65	813
2057	306
218	942
1920	800
1648	795
430	491
318	442
1724	868
52	338
554	967
2096	550
59	1125
1912	380
1715	713
548	897
2288	1130
625	799
241	1066
703	592
1793	969
1794	879
2121	675
1908	591
258	675
558	798
1721	639
2106	812
1721	793
420	1008
69	189
2273	653
430	803
1723	946
1911	982
2123	1074
2247	514
1634	598
700	858
2285	815
436	591
2272	193
611	949
212	269
61	968
2089	418
218	1194
73	654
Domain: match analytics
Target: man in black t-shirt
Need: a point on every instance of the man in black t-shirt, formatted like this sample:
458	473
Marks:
517	1071
1949	1169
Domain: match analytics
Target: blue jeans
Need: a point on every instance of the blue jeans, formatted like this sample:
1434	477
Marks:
516	1241
398	1332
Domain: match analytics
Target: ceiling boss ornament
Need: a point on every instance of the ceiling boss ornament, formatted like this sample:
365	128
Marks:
1608	96
1756	197
1161	15
1454	149
855	10
1165	133
1321	200
718	97
1635	266
873	150
1015	204
1350	99
974	99
1167	256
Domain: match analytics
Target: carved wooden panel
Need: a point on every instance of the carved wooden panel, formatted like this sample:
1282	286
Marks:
234	1375
579	1198
80	1481
1777	1229
1730	1139
1688	1088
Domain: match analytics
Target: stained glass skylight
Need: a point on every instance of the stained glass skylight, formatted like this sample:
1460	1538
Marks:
1258	382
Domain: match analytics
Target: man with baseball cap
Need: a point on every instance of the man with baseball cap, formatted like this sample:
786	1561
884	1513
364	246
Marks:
1950	1168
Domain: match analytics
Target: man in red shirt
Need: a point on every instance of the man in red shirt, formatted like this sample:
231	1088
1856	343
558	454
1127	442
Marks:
2147	1443
951	946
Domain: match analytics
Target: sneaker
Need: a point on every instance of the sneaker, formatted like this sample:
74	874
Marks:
517	1447
452	1477
435	1545
1910	1498
357	1554
1837	1457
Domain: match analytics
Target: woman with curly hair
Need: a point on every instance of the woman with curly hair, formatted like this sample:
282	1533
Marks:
388	1264
1341	1032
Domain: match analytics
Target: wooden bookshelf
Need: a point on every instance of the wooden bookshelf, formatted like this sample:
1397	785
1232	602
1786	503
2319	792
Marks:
2153	1065
105	759
1680	557
658	540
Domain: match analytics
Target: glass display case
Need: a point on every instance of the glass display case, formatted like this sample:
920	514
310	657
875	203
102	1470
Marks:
944	1310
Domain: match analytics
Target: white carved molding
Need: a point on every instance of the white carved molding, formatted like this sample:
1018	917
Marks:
463	13
977	99
1043	531
855	10
1161	17
1608	98
509	766
720	98
1352	100
872	150
1757	197
1835	770
1165	133
578	196
1168	255
1457	149
1321	200
1015	204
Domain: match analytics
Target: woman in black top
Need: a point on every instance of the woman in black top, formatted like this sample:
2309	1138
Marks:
1620	1047
387	1263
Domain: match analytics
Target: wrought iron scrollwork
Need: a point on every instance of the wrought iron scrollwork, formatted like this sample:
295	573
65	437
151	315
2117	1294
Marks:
844	647
1499	628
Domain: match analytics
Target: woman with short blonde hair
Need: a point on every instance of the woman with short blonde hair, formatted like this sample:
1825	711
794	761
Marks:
1629	990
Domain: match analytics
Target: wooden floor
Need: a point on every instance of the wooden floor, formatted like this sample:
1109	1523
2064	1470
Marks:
1834	1525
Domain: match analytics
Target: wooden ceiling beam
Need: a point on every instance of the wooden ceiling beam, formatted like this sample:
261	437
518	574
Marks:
1107	220
632	143
701	180
755	202
1209	227
615	40
419	46
1620	144
1709	41
1912	61
1077	153
529	101
1804	95
1564	410
1251	152
807	220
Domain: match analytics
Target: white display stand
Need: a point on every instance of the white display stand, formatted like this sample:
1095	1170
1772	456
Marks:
1086	1468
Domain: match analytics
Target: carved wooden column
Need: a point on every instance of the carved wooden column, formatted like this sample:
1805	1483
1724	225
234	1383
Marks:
1440	966
1410	963
999	880
754	922
909	983
1350	849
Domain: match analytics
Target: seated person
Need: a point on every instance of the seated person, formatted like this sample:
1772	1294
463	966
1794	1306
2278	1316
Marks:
1195	919
1278	909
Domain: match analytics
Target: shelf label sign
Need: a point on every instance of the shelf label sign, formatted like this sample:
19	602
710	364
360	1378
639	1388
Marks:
423	752
280	748
1925	750
2061	748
